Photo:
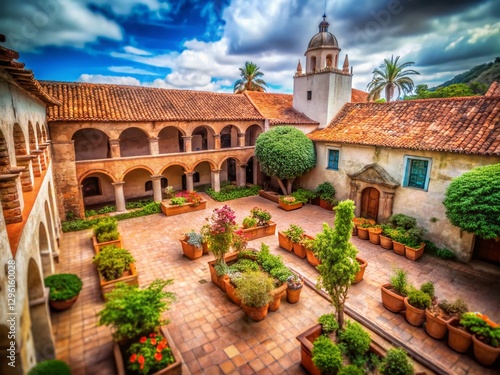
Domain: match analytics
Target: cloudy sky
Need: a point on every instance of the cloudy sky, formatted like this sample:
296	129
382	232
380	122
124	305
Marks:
199	44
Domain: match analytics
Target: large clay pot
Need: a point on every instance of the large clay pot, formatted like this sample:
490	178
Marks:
398	247
386	242
231	292
484	353
63	305
311	258
374	235
255	313
299	250
414	316
434	325
362	266
391	300
414	254
191	251
458	339
363	233
293	295
285	242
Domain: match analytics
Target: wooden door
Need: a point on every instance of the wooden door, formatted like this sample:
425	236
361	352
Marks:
487	250
369	203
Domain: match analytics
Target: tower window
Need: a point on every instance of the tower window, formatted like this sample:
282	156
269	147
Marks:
309	95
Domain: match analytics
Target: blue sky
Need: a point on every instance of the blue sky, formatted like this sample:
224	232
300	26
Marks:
200	45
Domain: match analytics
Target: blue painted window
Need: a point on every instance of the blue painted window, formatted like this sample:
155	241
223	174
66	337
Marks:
417	172
333	160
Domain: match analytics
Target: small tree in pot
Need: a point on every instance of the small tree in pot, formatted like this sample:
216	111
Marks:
218	232
338	258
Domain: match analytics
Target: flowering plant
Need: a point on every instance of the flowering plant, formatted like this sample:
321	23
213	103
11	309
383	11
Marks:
150	354
218	231
169	192
288	199
263	216
240	240
483	327
190	196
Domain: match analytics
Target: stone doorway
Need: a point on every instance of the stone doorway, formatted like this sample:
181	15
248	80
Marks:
369	203
487	250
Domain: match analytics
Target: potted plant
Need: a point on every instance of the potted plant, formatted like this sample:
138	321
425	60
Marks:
184	201
295	284
51	367
254	289
398	236
374	234
263	225
326	355
64	290
414	245
485	338
326	193
308	243
394	293
338	258
115	265
106	233
438	314
459	337
135	316
289	203
358	277
249	222
192	245
416	302
396	362
290	236
385	237
362	228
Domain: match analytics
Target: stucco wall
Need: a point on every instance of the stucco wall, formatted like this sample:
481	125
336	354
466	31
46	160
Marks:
423	205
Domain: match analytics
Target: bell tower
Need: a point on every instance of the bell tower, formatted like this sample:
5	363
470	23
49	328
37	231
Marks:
323	88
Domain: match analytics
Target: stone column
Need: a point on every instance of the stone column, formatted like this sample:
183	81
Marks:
357	202
37	168
187	143
216	141
11	205
216	179
241	175
114	146
153	146
241	139
189	181
119	196
157	187
388	206
43	156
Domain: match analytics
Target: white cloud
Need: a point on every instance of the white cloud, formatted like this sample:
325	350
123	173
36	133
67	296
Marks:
484	32
131	70
116	80
126	7
136	51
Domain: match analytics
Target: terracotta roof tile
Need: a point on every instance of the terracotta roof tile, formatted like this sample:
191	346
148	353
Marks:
494	89
468	125
358	96
103	102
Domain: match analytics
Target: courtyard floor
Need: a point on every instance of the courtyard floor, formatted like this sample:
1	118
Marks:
214	336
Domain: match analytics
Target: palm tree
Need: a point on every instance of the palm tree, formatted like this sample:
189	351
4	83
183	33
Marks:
391	76
250	79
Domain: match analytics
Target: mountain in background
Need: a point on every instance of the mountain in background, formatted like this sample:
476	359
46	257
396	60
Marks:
484	73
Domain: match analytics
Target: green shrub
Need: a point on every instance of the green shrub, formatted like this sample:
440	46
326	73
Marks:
399	281
326	356
432	249
396	362
233	193
63	286
428	288
107	210
261	215
249	222
303	195
254	288
281	273
132	312
104	226
419	299
108	236
89	213
51	367
178	201
351	370
112	262
455	308
355	338
328	323
244	265
403	221
294	233
138	204
325	191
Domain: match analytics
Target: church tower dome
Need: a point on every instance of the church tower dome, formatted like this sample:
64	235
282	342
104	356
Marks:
322	50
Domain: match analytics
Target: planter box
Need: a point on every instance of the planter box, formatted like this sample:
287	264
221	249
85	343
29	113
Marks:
398	248
300	250
290	207
99	245
258	232
172	369
312	259
325	204
220	280
177	210
129	277
285	242
414	254
191	251
386	242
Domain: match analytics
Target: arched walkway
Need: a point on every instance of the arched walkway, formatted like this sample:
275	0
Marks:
175	176
202	174
202	139
50	224
4	155
97	188
134	142
251	135
170	140
91	144
229	137
135	183
228	170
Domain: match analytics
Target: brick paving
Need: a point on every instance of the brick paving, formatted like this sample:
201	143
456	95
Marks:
215	337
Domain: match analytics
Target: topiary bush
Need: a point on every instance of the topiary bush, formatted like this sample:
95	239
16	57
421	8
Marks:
51	367
355	338
326	355
351	370
63	286
396	362
328	323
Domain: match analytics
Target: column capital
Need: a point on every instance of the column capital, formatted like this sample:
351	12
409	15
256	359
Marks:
189	173
156	176
216	170
153	138
117	183
114	141
187	136
216	135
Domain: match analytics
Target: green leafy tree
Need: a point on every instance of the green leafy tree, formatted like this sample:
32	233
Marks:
251	79
338	258
454	90
472	201
391	76
286	153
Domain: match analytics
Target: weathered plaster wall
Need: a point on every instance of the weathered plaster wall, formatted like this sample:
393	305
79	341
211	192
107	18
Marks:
423	205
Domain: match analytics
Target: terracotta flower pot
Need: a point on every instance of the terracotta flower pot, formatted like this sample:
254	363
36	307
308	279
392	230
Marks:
255	313
434	325
386	242
391	300
484	353
231	292
458	338
63	305
362	266
278	293
414	316
414	254
293	295
299	250
191	251
398	247
325	204
311	258
374	235
363	233
285	242
290	207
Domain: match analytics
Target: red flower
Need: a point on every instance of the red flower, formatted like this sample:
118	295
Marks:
153	341
158	357
133	358
159	348
151	335
143	339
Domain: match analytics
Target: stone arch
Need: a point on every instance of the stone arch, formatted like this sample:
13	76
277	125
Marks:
202	138
170	140
39	137
134	182
202	172
134	142
229	136
5	347
45	250
236	159
32	136
39	318
251	134
97	188
229	169
94	171
91	144
44	132
329	60
175	174
4	155
19	140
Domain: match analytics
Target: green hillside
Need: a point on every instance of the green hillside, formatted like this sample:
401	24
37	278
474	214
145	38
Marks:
484	73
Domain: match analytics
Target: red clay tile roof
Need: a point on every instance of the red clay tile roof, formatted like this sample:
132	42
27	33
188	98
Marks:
103	102
278	108
358	96
23	78
468	125
494	89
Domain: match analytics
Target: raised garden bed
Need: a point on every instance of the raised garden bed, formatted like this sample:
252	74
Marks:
261	231
171	210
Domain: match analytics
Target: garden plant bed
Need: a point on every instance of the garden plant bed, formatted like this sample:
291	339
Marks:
129	277
171	210
260	231
98	246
